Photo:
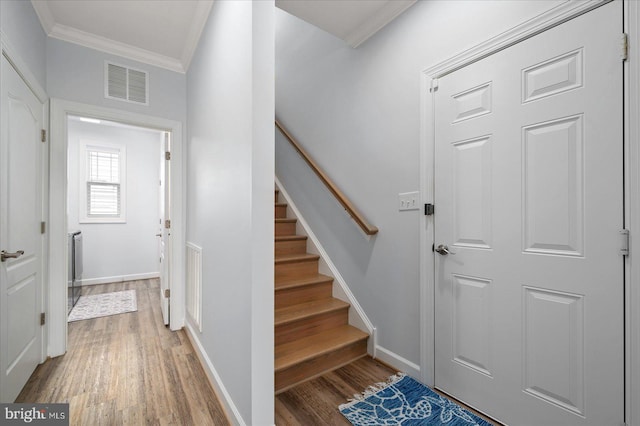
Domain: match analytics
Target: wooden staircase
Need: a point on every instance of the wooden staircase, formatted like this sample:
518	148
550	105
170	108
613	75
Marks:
312	331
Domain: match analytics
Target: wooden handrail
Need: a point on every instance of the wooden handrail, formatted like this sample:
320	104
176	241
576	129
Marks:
342	199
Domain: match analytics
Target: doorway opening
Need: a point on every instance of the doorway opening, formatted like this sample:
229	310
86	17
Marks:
117	207
64	117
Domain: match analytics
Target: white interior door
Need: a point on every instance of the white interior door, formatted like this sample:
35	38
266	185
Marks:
164	233
20	217
529	196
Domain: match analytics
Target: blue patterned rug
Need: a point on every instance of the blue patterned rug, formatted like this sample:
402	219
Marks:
407	402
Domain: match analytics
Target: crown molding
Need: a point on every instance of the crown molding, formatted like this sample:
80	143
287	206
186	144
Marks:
386	14
103	44
200	17
44	15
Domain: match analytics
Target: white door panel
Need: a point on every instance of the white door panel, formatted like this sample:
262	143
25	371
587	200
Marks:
529	309
20	216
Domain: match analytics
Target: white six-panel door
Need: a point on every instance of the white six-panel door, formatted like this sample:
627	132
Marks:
20	216
529	196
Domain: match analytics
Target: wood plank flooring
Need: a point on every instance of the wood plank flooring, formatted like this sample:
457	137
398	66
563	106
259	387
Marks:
316	401
127	369
130	369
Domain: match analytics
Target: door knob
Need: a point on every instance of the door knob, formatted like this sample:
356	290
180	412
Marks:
6	255
158	235
443	250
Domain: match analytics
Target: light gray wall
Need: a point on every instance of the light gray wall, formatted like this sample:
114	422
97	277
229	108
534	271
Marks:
76	73
230	198
119	249
357	111
20	24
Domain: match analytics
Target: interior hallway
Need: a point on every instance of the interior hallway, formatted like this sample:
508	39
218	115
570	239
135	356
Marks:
127	369
130	369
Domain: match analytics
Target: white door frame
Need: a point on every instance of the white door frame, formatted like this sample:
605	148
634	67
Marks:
9	52
60	110
429	76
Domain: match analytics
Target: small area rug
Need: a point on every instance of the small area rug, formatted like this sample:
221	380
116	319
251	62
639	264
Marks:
407	402
103	305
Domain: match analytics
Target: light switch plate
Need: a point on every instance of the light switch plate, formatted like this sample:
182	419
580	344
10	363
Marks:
409	201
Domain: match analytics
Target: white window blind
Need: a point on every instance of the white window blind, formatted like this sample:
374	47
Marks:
103	183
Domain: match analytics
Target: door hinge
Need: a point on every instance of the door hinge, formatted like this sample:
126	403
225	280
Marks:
429	209
167	224
167	155
43	227
624	247
43	135
167	293
625	47
42	318
434	85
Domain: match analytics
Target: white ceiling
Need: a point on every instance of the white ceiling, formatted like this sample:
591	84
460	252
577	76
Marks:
353	21
165	33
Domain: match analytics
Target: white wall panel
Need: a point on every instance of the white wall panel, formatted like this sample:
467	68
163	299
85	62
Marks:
230	200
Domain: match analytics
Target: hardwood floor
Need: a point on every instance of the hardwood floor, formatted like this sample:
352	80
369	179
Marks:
130	369
316	401
127	369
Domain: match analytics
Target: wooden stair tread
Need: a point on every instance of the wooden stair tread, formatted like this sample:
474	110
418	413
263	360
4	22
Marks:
302	281
292	353
311	331
309	309
292	258
290	237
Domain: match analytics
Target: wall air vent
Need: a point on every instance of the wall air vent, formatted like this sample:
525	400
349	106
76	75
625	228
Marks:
126	84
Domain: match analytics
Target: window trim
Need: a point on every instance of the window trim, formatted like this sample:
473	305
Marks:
83	175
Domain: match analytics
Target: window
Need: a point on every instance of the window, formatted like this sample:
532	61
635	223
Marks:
102	183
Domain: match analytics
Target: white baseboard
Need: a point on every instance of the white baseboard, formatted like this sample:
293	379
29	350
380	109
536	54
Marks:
396	361
214	377
119	278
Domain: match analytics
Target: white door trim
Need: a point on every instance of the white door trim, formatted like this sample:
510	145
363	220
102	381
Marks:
60	109
429	76
14	59
632	213
9	52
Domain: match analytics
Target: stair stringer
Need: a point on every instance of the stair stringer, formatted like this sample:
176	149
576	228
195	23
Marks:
357	317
